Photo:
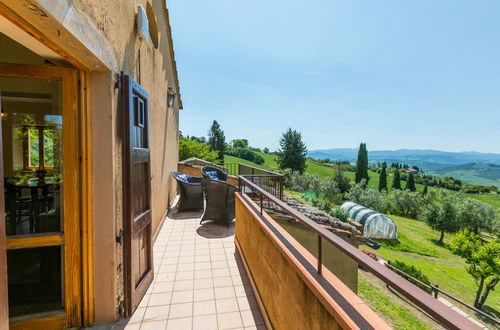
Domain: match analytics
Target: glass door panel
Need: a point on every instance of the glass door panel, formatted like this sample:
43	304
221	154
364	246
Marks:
32	135
32	155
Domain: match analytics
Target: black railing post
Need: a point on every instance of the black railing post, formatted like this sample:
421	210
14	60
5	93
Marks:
320	256
281	187
261	203
436	290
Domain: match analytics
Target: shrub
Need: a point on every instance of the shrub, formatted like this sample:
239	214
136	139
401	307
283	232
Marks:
414	272
340	214
325	207
330	191
191	148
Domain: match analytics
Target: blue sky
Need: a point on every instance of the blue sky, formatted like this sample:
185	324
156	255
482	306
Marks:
395	74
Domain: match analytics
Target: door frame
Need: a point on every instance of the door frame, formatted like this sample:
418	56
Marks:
70	238
4	294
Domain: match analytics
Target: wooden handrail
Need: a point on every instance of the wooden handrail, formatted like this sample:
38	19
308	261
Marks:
437	310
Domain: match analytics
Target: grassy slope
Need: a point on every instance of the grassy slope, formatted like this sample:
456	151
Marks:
438	263
417	241
399	316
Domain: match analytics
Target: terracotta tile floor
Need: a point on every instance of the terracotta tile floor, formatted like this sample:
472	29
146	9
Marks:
200	282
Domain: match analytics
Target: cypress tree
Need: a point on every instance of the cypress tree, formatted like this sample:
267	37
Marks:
410	183
396	183
382	183
362	164
425	189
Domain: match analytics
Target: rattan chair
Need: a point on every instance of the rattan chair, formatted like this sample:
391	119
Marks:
190	192
220	203
213	173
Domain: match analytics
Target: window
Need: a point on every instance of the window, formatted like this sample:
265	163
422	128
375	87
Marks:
40	147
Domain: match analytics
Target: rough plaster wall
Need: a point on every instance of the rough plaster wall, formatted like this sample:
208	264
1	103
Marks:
116	19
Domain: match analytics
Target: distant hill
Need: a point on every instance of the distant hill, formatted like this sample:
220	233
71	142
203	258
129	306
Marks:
475	173
428	160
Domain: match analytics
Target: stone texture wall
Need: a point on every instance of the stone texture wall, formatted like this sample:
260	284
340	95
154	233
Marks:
99	37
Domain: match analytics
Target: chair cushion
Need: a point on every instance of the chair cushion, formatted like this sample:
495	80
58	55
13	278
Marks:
212	174
183	177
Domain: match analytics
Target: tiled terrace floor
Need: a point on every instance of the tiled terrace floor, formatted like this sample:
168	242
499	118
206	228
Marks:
200	282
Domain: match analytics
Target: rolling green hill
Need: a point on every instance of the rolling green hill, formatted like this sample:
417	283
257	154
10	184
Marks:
325	171
474	173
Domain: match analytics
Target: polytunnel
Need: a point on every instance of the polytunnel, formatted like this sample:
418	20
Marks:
363	215
375	225
381	227
355	210
348	206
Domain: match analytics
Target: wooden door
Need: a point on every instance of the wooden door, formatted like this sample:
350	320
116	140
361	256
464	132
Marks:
137	194
4	302
43	240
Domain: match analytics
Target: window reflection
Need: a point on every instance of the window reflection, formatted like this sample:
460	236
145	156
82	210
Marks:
32	154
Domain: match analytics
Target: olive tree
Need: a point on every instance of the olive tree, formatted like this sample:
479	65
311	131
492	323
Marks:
483	262
367	197
404	202
443	215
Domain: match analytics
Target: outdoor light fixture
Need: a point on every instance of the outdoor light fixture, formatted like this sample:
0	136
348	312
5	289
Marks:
170	98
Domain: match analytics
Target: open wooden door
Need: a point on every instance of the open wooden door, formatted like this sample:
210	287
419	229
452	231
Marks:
40	163
137	194
4	303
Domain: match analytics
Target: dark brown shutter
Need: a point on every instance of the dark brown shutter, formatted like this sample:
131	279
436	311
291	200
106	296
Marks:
138	261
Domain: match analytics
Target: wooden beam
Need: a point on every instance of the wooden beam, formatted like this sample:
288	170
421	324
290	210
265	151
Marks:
71	173
54	321
86	190
31	71
25	242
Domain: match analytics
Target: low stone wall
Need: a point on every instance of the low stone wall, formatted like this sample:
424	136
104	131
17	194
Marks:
284	278
195	170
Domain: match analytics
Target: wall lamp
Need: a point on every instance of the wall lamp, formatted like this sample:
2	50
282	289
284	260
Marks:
170	98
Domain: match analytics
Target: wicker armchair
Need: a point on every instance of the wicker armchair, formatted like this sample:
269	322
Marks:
213	173
190	191
220	201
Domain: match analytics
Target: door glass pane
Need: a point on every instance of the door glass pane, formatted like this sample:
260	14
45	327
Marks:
35	281
32	155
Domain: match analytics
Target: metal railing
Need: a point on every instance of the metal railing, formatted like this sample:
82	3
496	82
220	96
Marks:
434	308
436	290
271	181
